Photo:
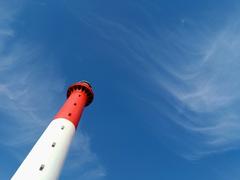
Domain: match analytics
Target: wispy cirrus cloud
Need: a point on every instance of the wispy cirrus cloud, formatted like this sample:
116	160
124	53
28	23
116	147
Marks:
198	68
30	87
204	83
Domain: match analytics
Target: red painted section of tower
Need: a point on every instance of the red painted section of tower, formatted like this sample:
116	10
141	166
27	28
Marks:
79	95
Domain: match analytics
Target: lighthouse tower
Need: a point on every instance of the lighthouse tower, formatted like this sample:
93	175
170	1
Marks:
45	160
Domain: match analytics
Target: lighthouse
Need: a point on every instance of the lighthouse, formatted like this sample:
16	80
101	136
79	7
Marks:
46	159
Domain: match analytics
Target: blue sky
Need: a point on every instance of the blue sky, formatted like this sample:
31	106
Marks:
165	76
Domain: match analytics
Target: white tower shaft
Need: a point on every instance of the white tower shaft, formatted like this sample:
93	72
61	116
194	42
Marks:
45	160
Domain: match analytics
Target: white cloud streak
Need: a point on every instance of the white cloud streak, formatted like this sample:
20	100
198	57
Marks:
198	67
207	85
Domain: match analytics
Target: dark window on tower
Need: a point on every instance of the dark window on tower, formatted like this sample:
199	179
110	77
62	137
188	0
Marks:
53	144
41	167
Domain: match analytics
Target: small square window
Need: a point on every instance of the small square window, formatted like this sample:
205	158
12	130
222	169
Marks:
41	167
53	144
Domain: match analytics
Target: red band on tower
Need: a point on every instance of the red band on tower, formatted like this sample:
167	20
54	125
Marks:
79	95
